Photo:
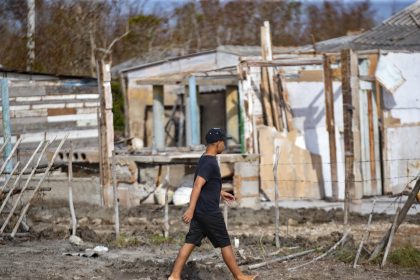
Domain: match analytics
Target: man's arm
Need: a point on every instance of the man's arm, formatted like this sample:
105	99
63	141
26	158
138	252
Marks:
227	196
198	184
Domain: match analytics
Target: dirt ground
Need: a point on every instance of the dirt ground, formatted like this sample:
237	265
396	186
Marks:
142	253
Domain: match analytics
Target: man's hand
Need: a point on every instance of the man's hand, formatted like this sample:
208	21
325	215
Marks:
188	215
227	197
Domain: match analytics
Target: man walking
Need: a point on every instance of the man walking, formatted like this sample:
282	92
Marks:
203	213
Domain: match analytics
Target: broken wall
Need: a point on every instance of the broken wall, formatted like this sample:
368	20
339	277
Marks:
296	181
401	101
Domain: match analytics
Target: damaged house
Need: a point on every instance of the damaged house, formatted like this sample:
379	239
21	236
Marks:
341	111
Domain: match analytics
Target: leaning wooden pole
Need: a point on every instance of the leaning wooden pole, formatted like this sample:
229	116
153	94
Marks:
276	195
3	167
15	205
166	216
391	237
20	175
5	143
50	164
365	235
401	216
3	188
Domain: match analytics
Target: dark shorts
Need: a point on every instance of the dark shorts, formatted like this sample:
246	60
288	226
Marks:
211	226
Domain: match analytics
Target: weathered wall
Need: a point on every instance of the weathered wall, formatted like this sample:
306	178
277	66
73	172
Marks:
402	122
40	109
307	100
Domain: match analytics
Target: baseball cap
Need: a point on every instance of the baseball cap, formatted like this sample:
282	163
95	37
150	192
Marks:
214	135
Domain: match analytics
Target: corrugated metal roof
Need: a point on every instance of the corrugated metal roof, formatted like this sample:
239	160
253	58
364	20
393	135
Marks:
399	32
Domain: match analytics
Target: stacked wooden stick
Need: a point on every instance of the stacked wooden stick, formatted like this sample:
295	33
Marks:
6	193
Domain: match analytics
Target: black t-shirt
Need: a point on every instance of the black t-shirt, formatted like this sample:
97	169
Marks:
209	199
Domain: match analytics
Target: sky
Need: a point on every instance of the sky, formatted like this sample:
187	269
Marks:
383	8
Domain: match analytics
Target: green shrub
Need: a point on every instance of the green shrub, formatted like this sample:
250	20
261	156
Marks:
408	256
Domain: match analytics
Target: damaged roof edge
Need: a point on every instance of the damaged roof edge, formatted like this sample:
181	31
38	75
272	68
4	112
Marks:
165	60
5	71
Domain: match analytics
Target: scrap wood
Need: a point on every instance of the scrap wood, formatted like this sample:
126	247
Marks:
279	259
400	218
28	203
282	250
365	235
341	241
19	176
15	205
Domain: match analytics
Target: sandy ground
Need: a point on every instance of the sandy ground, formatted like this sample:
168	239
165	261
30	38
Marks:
141	252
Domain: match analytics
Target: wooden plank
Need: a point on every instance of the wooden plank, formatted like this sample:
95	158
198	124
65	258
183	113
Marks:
29	113
26	91
286	108
265	87
330	121
285	62
61	111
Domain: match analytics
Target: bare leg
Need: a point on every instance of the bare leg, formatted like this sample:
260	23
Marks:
181	259
230	261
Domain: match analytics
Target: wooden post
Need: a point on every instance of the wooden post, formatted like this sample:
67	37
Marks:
232	114
194	111
38	186
372	157
181	130
242	114
115	196
107	126
329	117
188	132
350	89
166	214
276	195
123	84
70	178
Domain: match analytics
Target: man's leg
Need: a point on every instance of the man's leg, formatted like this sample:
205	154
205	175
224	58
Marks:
181	259
230	261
